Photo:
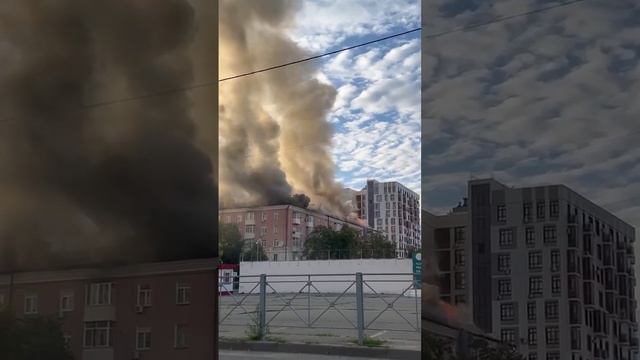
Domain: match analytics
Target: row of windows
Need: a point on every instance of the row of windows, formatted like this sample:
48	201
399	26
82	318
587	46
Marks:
102	294
536	286
535	261
552	335
99	334
554	211
550	356
551	311
507	238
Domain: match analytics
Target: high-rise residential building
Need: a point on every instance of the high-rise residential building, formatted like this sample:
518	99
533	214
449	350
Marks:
393	209
164	310
281	230
547	270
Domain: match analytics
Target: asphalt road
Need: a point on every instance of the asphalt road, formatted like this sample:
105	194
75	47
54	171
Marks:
250	355
333	326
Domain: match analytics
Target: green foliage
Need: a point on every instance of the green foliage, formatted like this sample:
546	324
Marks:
347	243
255	252
377	246
230	243
36	337
436	348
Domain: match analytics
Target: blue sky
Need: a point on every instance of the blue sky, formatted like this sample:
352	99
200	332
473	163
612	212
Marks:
376	116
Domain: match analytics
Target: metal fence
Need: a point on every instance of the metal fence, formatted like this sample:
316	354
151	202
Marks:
307	300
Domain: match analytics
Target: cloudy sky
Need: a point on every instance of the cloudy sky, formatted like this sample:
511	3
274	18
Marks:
549	98
376	116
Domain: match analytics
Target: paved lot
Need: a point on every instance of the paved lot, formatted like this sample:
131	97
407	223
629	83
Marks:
250	355
330	325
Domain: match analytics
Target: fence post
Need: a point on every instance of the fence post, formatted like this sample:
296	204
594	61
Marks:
360	308
262	315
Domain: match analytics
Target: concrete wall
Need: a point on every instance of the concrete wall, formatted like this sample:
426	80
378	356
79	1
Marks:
388	284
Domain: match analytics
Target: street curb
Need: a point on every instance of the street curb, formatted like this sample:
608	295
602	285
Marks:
335	350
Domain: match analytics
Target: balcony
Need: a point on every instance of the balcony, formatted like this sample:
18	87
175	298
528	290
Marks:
572	219
296	220
607	238
249	235
588	227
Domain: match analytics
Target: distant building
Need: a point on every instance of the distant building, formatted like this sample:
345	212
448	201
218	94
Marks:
148	311
281	229
393	209
544	268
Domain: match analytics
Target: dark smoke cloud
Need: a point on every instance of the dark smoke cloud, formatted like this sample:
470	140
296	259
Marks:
275	138
114	184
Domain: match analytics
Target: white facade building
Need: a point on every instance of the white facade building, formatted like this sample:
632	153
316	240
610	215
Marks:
393	209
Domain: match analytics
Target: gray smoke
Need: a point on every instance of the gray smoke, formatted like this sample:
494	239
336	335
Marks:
275	139
110	184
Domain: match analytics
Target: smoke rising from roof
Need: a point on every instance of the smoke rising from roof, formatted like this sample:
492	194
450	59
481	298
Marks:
121	183
274	137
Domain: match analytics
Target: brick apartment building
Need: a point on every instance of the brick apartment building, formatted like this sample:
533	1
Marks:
281	229
393	209
165	310
543	268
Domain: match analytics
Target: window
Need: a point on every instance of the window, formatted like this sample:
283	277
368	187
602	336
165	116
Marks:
533	356
549	234
554	209
532	336
249	229
508	335
180	336
555	260
504	263
535	260
250	216
263	230
502	213
575	338
264	216
506	237
530	236
526	212
460	299
460	280
459	234
535	286
553	356
31	304
276	217
99	294
143	339
97	334
507	312
144	295
183	294
556	289
540	210
66	301
67	340
531	311
552	335
275	229
551	310
459	257
504	288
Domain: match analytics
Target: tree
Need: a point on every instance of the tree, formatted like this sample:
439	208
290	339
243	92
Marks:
255	252
436	348
377	246
230	243
32	338
326	243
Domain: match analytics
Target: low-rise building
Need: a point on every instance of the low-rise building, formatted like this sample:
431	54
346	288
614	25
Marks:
165	310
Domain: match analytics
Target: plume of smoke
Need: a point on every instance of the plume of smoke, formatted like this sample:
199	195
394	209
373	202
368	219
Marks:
106	185
274	135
